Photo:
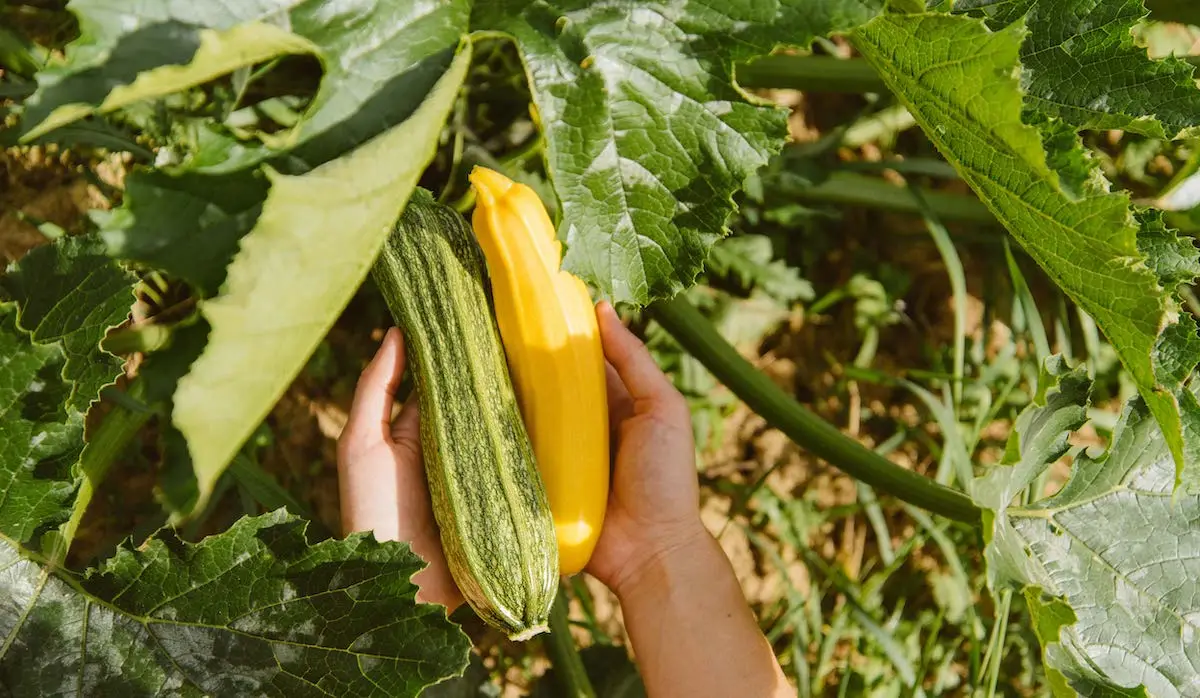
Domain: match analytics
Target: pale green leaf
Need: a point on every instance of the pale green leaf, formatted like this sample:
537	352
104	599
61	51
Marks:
376	56
309	251
1039	436
218	53
646	135
750	261
960	81
1110	564
254	611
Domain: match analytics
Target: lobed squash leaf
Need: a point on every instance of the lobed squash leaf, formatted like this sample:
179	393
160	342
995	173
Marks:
256	610
1111	563
647	137
1122	87
68	294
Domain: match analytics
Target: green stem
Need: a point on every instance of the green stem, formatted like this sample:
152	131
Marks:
811	74
849	189
564	655
107	442
698	336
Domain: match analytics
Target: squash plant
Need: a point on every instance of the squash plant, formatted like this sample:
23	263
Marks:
646	136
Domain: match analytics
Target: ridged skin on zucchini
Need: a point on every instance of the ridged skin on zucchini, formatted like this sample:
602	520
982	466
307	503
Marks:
488	498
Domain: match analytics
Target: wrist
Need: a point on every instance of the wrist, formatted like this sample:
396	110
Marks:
669	557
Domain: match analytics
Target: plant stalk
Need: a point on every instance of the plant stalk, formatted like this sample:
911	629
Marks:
564	655
698	336
850	189
811	74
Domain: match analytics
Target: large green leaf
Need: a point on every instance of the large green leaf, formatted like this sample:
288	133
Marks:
39	436
309	251
256	610
1111	564
960	81
187	225
71	292
376	56
646	135
1081	64
51	370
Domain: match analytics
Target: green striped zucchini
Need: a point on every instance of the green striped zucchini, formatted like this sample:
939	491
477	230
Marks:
488	498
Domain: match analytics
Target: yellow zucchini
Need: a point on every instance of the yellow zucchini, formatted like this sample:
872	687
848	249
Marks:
549	331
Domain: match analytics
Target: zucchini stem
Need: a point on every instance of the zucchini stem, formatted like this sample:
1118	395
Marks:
564	655
811	74
700	339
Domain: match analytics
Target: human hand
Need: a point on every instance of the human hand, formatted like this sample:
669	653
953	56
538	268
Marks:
653	506
381	477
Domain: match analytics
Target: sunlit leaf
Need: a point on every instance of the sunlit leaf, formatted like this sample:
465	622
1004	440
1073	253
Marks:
1112	562
306	256
960	81
647	137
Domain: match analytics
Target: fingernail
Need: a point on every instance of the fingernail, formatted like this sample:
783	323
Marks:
388	336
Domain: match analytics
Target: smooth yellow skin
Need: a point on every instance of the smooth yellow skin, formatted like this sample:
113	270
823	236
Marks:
549	331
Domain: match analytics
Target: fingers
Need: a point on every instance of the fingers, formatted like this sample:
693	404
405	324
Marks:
369	422
646	383
406	430
620	405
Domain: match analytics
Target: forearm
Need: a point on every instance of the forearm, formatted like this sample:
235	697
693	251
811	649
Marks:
692	631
